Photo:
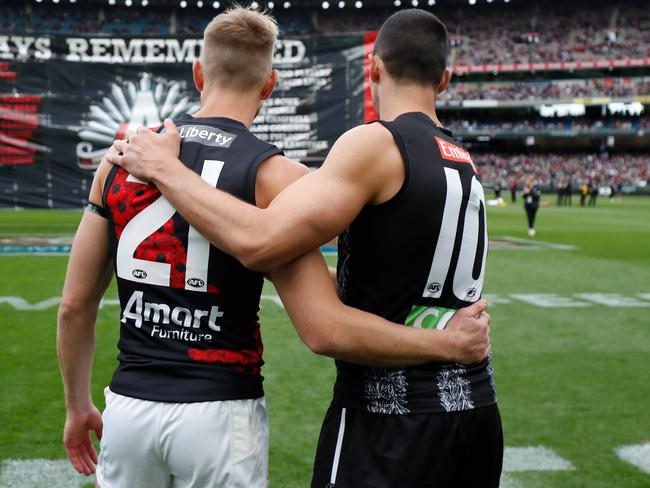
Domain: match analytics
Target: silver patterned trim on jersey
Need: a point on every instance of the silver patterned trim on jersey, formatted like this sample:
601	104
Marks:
454	389
490	373
384	390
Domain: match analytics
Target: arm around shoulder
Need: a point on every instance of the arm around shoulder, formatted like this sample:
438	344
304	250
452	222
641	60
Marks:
320	205
330	328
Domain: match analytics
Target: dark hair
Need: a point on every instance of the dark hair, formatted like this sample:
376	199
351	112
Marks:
413	46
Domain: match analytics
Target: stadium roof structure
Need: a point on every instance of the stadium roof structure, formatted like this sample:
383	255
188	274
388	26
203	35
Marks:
274	4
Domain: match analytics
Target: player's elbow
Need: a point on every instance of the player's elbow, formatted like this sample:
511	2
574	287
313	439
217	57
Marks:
71	309
259	255
254	258
321	344
320	336
266	244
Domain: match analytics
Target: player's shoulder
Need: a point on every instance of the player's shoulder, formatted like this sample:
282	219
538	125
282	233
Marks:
371	137
360	147
280	166
275	174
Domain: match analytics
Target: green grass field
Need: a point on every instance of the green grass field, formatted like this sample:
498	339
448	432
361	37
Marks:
573	379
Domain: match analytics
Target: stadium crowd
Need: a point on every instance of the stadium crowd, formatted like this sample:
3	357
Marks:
548	89
533	31
519	32
550	31
575	124
550	169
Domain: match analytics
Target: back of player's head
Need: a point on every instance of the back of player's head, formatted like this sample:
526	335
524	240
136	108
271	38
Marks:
238	48
413	46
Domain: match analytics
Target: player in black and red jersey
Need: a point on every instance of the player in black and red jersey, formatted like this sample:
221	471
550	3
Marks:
408	202
185	406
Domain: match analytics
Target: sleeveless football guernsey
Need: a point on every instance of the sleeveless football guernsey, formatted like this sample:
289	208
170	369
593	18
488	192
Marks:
416	259
189	325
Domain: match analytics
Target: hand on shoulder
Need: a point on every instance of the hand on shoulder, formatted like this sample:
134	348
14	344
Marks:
146	154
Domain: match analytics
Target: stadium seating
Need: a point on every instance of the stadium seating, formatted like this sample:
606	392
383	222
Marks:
484	33
520	33
548	168
548	89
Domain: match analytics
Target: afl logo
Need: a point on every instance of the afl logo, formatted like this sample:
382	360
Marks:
139	273
196	282
433	287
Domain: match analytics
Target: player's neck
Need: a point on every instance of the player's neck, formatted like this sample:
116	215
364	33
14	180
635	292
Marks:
396	100
232	105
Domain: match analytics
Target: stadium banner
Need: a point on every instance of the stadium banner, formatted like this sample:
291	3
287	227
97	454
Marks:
65	98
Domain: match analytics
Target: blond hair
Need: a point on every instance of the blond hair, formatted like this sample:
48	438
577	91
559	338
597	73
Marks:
238	48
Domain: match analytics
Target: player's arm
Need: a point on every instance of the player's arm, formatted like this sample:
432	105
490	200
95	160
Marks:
88	275
330	328
363	164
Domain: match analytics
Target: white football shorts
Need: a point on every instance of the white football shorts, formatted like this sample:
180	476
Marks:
145	444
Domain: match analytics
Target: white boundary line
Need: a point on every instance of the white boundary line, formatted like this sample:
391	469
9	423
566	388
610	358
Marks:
38	473
542	300
638	455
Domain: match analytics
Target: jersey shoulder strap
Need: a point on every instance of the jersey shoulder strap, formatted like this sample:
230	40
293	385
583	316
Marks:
268	151
107	184
406	161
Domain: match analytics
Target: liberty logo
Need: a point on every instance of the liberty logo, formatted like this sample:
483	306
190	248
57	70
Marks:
126	107
206	135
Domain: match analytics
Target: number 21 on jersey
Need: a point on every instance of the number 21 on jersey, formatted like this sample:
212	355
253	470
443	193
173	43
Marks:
146	223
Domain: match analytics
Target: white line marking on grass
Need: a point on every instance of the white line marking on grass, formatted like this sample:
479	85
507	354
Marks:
20	303
508	481
533	458
543	300
613	300
496	299
638	455
549	300
37	473
518	243
273	298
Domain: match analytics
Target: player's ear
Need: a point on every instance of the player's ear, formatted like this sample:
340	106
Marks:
269	84
376	67
197	73
446	78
